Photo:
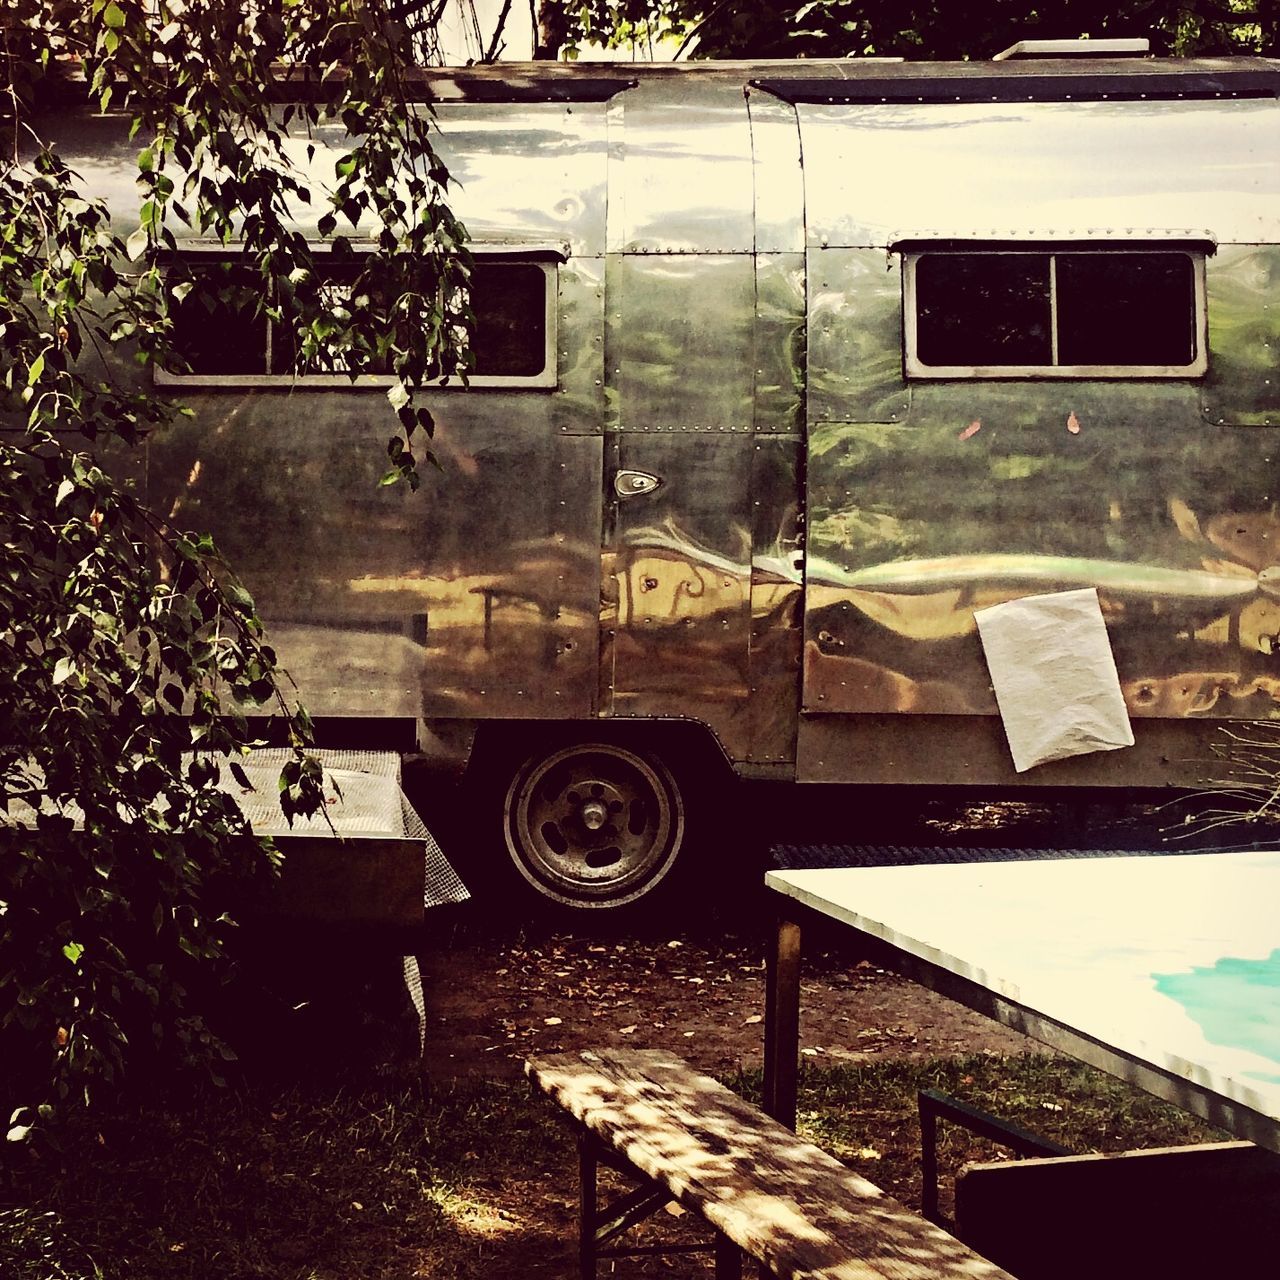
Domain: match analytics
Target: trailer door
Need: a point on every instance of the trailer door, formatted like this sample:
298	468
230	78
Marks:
676	626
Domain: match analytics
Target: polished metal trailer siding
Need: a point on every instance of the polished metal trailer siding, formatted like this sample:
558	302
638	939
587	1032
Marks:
530	582
700	320
929	497
477	596
734	517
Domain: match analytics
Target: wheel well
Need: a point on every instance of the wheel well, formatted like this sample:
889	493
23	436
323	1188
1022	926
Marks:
682	744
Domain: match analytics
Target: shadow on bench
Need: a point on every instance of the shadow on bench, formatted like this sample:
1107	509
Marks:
765	1192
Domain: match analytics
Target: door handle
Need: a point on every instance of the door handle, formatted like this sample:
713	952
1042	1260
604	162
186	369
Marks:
632	484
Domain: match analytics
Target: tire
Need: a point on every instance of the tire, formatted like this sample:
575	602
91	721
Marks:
594	825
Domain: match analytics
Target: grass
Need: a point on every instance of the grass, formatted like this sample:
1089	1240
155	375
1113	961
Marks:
356	1180
866	1115
383	1176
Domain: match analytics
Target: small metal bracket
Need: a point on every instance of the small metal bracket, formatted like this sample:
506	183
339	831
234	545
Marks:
934	1106
632	484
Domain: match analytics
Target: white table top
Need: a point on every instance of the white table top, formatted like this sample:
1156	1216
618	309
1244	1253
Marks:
1172	962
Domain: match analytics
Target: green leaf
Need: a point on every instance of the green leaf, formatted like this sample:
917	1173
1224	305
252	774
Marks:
240	597
119	603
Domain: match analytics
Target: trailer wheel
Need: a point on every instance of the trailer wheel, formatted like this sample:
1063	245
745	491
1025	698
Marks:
594	825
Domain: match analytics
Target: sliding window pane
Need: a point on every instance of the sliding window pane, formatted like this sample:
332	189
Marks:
509	300
975	309
1126	309
219	326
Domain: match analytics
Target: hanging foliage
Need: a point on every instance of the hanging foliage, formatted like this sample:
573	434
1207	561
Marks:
130	656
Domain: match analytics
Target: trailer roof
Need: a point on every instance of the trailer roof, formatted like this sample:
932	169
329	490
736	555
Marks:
872	79
1058	81
832	80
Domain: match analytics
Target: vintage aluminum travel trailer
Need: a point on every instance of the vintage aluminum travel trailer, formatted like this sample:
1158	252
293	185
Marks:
790	366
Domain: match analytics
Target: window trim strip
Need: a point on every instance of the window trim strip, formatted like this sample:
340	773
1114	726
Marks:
915	370
546	256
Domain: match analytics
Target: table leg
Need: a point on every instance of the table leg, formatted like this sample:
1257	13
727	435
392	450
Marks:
588	1209
728	1264
782	1023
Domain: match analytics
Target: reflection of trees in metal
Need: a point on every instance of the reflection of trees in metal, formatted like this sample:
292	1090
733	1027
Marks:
1196	693
1017	574
897	636
668	577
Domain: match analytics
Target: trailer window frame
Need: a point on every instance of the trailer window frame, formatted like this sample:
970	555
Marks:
916	369
543	257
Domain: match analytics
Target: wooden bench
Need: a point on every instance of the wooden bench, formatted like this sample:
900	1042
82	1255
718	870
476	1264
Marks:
766	1193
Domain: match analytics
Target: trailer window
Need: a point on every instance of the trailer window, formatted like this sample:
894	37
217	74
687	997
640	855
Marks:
226	338
1009	313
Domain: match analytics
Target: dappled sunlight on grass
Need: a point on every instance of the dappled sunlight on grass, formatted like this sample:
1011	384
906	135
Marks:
387	1177
479	1217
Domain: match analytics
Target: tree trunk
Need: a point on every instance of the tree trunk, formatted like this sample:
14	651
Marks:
553	30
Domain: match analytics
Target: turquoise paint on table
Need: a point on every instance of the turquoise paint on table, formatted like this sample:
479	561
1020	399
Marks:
1235	1002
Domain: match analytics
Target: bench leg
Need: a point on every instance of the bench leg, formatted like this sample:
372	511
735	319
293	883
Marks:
598	1227
587	1208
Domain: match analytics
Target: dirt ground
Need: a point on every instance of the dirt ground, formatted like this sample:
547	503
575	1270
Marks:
384	1168
692	978
491	1005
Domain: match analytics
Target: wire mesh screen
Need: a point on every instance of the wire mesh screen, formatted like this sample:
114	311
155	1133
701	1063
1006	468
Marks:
361	788
362	798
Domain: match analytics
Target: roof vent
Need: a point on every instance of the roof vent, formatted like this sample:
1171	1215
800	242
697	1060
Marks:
1134	48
